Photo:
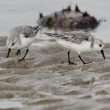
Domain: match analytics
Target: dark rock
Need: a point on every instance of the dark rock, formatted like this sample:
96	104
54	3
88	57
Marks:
68	9
85	14
77	9
68	18
40	15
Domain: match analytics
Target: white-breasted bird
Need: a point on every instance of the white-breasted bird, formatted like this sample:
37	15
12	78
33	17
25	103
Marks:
21	37
80	42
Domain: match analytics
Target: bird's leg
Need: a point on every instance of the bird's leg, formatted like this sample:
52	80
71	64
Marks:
82	60
9	50
18	52
24	55
69	58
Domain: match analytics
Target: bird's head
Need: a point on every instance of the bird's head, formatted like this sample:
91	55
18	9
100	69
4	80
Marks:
99	46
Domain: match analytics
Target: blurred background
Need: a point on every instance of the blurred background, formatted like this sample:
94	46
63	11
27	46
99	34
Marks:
26	12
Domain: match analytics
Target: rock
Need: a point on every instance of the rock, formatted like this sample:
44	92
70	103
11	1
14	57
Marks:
68	18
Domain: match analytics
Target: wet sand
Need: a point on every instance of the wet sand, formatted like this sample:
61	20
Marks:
45	80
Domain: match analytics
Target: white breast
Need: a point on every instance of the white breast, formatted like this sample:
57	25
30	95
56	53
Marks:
79	48
26	42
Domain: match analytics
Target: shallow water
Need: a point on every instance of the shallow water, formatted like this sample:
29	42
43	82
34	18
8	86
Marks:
45	81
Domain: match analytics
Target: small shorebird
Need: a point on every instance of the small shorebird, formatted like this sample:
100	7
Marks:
80	42
21	37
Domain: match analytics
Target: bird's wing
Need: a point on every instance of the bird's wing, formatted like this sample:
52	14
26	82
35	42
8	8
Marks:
79	37
27	31
30	31
55	35
76	37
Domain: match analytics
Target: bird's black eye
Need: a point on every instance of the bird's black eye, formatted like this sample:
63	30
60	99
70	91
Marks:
100	45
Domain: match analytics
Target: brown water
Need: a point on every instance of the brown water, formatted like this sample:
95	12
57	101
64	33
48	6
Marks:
45	81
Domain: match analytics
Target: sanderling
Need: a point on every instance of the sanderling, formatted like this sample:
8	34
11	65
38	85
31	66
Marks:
21	37
80	42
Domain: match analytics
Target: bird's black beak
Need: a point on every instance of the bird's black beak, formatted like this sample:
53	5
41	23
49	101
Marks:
9	50
102	52
38	28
